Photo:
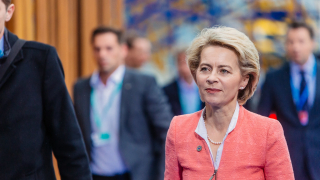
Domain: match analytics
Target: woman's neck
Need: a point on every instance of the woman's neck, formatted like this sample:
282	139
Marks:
219	118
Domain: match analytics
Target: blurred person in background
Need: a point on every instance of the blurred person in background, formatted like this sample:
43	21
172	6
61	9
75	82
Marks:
139	52
123	114
253	102
183	92
224	140
293	93
36	112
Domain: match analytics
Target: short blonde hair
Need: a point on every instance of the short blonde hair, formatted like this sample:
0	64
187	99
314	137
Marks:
236	41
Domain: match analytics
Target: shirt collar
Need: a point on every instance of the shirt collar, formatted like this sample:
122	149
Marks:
201	128
116	77
308	67
5	45
2	43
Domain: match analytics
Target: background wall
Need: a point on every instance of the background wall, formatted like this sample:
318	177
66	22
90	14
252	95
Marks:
178	21
66	25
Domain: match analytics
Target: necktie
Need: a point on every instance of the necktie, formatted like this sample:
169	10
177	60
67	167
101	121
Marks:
303	100
1	53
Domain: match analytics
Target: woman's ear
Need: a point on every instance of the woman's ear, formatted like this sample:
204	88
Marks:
244	81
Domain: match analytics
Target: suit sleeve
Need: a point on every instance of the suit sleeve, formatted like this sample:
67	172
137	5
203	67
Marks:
266	99
61	123
278	163
159	113
173	169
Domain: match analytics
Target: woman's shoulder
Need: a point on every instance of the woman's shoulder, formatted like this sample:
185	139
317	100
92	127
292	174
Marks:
256	130
186	121
258	122
188	117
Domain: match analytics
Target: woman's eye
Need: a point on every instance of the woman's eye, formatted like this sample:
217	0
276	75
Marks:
204	69
224	71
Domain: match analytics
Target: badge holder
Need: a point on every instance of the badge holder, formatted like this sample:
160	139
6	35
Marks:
100	139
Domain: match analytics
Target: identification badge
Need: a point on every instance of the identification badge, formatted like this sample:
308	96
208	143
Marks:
100	139
303	116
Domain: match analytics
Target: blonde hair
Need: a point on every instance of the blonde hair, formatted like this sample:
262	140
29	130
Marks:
236	41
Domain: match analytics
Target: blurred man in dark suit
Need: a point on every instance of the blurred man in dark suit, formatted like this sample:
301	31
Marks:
293	93
36	112
139	52
124	115
183	93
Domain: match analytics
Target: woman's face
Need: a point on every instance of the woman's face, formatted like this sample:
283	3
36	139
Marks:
218	76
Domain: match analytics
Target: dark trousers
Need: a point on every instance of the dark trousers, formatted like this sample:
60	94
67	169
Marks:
125	176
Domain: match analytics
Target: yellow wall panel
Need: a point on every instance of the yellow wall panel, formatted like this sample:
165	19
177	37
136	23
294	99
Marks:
89	20
42	19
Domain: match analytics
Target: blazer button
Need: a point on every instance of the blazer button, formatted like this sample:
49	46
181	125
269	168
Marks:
199	148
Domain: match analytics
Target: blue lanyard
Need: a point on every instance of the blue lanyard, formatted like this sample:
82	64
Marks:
96	115
300	100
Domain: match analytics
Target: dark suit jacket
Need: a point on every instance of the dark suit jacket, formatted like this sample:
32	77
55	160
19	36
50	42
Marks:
37	117
144	120
303	142
172	92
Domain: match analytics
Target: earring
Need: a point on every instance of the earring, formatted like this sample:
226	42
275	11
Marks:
241	88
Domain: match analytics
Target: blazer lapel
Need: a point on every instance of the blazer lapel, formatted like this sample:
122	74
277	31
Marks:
86	111
9	40
314	114
177	105
286	92
11	68
126	89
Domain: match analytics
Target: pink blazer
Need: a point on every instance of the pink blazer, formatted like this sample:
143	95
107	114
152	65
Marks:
256	149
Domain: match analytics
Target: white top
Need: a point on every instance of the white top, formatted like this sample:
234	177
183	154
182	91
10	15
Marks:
106	158
202	132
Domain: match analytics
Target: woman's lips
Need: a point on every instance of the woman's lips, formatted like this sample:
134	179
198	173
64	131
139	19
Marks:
212	90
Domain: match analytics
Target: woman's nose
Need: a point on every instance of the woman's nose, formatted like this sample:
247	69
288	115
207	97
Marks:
212	78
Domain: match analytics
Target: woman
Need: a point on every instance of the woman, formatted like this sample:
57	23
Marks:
224	140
